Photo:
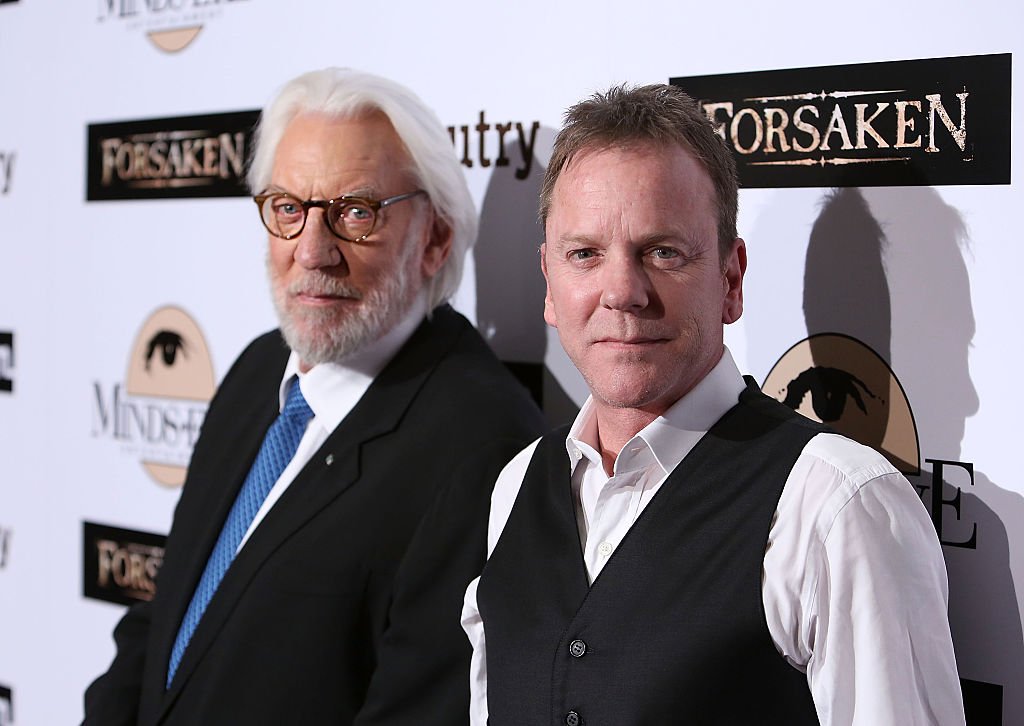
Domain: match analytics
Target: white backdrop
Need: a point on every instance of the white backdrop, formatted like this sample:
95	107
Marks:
78	279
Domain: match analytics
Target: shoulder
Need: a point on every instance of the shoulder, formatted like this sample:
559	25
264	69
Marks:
839	484
855	589
471	388
833	473
847	520
466	352
847	457
266	349
505	492
268	345
258	367
844	498
847	513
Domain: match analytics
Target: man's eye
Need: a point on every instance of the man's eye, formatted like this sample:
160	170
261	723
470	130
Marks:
582	254
358	214
664	253
286	208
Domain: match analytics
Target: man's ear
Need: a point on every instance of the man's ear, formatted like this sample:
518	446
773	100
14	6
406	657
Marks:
732	280
438	247
549	305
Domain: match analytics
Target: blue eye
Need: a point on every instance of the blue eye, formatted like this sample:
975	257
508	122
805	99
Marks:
358	214
285	207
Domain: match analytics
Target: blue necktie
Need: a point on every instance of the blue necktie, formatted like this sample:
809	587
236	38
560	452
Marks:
278	448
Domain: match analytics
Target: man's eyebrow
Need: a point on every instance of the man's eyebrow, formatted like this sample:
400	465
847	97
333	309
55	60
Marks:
682	238
575	240
363	192
658	238
654	238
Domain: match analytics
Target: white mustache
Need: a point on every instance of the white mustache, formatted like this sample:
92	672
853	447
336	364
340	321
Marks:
323	285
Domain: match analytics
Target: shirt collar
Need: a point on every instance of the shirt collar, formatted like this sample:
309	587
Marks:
333	389
669	437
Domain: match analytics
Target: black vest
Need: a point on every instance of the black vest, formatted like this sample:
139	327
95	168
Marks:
673	630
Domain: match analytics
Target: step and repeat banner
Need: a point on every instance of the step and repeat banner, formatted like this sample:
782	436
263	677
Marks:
880	203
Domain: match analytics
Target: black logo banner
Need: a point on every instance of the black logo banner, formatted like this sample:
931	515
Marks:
120	565
170	158
899	123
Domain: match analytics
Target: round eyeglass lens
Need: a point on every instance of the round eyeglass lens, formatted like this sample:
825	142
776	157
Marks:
351	219
283	215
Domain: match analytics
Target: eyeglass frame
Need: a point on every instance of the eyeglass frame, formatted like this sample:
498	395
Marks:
325	204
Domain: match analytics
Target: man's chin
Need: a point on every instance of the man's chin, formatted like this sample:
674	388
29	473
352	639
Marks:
335	333
315	349
334	338
636	394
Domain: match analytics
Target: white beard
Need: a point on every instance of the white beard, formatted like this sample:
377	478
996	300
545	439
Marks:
331	336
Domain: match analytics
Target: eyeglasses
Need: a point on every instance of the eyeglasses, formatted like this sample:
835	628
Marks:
349	218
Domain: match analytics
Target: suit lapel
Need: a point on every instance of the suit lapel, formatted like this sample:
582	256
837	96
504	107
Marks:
378	412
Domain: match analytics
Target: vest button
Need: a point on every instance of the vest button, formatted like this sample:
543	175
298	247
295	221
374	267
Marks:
573	719
577	648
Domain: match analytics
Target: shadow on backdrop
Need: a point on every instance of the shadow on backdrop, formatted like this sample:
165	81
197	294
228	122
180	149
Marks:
846	292
932	329
885	267
510	286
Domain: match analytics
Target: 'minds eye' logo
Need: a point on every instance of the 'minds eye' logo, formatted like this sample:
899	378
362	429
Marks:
158	412
170	25
837	380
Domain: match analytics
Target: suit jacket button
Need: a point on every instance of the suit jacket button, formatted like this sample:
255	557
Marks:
573	719
577	648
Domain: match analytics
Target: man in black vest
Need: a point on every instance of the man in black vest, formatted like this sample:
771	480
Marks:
740	564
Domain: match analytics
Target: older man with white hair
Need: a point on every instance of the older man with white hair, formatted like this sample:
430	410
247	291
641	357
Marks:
335	505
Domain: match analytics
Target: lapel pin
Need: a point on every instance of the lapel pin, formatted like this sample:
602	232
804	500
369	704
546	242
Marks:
329	460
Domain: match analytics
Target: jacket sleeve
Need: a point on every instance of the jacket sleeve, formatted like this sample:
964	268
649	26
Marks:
113	698
422	670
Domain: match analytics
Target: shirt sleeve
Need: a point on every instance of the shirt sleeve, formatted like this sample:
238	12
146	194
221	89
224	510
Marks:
506	489
855	591
473	624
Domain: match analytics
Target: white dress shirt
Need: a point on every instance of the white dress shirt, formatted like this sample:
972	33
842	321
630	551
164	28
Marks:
854	584
332	390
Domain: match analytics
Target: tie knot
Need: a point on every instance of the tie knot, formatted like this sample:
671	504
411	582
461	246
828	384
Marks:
295	406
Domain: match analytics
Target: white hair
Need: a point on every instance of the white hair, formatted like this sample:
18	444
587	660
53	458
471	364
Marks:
347	93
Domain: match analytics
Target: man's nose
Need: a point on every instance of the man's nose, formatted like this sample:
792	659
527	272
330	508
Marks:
624	285
317	247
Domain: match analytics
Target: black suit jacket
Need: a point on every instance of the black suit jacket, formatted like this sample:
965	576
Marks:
343	607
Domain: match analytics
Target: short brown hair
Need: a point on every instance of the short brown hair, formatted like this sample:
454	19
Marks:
658	114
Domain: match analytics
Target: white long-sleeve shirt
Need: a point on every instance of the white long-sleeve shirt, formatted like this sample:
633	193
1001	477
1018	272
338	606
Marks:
854	584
